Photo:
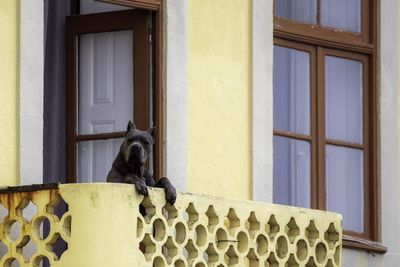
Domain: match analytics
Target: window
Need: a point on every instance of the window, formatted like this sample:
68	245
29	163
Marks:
112	77
325	111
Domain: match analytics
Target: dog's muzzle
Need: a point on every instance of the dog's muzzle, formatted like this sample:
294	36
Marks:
136	153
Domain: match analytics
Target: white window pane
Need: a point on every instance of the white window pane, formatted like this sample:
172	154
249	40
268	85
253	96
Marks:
291	90
345	185
298	10
95	159
105	82
292	172
341	14
343	99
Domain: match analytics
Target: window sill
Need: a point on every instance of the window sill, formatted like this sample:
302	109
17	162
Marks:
363	244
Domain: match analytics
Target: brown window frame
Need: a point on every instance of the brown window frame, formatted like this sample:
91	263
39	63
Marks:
111	21
153	5
326	33
319	41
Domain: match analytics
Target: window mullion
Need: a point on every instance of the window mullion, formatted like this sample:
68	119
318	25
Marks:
368	221
321	181
99	136
314	129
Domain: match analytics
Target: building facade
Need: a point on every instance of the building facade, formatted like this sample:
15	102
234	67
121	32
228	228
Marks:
207	77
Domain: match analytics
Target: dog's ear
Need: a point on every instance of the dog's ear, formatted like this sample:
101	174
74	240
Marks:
152	132
130	126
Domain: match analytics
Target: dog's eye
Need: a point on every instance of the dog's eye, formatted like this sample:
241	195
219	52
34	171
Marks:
146	143
130	140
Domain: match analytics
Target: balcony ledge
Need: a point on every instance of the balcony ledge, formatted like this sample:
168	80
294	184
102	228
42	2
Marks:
101	225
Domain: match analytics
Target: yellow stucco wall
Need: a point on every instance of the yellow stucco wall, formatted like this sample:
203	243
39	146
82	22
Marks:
219	98
8	92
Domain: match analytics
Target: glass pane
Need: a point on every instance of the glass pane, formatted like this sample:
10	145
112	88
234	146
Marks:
341	14
95	159
291	90
90	6
343	99
298	10
345	185
292	172
105	82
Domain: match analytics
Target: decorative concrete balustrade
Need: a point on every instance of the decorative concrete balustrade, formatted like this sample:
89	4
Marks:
103	225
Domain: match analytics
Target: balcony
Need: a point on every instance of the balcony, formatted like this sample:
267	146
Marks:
103	225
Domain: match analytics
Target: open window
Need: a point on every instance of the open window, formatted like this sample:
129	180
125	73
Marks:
108	85
113	75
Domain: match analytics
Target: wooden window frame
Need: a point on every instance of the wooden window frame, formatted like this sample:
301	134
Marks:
154	5
121	22
326	33
320	41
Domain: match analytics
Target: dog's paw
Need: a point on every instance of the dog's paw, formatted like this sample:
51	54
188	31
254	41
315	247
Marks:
170	191
170	195
141	188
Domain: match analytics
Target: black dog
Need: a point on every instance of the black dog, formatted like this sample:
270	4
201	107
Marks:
129	165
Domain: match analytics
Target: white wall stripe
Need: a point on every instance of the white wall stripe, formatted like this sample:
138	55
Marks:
262	100
31	91
176	84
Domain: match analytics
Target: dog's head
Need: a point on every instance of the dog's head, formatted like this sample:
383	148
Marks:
137	145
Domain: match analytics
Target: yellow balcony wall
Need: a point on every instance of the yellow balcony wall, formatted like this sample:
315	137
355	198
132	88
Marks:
103	226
